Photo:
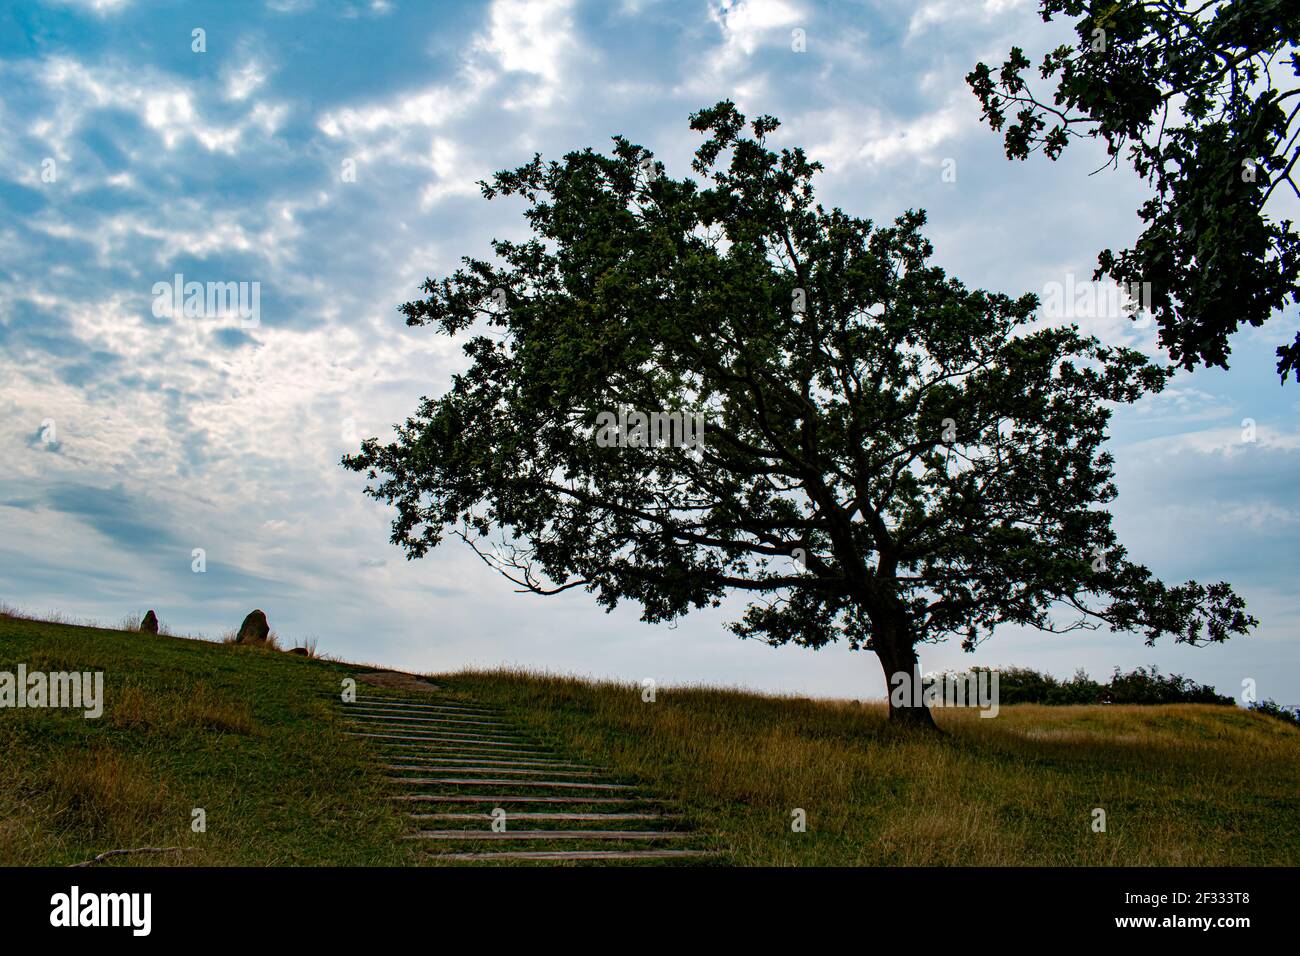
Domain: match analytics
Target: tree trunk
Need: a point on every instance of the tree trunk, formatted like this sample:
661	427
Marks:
899	657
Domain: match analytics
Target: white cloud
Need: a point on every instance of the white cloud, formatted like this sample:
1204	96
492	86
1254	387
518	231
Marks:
1231	442
186	228
531	36
97	7
868	135
163	103
243	80
939	13
454	176
1259	516
746	24
744	27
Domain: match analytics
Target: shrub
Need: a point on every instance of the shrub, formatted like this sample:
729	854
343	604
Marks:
1024	685
1271	708
1148	686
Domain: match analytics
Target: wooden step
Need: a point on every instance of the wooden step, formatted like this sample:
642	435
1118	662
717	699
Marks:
547	835
487	817
441	740
472	756
430	707
514	798
525	773
420	757
575	855
464	755
380	717
417	714
567	785
429	714
469	738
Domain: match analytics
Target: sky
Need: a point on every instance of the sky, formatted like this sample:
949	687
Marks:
329	153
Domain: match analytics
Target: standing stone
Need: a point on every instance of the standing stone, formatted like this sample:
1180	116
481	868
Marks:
150	623
254	630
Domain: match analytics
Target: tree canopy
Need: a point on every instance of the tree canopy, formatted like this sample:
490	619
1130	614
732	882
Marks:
884	456
1200	98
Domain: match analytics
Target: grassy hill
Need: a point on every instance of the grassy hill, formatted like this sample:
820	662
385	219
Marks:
246	735
1186	785
239	732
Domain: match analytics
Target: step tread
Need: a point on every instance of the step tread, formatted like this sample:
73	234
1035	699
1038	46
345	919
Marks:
467	738
548	835
540	764
479	781
515	798
576	855
379	716
524	815
405	705
550	770
445	740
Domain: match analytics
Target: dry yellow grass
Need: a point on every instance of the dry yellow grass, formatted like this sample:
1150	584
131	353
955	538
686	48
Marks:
139	708
1180	785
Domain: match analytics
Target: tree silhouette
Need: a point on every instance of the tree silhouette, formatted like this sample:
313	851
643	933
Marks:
882	455
1196	97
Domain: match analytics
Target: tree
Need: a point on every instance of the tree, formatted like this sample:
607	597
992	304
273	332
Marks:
882	455
1187	93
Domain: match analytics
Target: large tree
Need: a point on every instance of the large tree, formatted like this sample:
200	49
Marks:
888	458
1201	98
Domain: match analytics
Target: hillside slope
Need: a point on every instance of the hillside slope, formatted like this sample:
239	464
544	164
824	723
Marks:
250	737
1179	784
241	733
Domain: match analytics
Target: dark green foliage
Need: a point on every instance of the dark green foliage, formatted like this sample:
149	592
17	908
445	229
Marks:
889	457
1024	685
1271	708
1145	685
1200	97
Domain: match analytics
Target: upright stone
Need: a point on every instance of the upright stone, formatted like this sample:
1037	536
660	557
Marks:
254	630
150	623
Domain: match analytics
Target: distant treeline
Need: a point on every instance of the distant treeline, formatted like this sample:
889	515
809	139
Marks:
1145	685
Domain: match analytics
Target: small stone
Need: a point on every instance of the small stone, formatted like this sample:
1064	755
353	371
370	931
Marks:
254	630
150	623
298	650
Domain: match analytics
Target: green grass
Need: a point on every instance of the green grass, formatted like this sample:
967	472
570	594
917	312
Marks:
245	734
240	732
1188	785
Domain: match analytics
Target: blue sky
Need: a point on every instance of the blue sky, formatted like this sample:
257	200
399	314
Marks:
131	438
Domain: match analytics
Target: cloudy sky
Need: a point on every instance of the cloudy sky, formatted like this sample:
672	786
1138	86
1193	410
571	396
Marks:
329	152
